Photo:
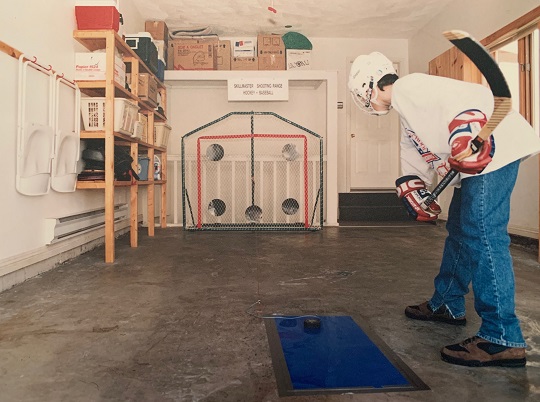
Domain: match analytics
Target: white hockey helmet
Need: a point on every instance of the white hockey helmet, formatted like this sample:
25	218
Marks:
366	71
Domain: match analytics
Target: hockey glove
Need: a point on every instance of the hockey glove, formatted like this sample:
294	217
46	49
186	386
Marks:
412	192
463	130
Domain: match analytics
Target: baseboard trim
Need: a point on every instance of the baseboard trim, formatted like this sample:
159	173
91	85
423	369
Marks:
18	268
523	232
524	242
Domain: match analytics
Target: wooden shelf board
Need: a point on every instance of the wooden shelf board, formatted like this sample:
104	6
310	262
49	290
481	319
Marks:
123	183
89	135
149	106
148	103
97	89
157	116
100	135
100	184
97	40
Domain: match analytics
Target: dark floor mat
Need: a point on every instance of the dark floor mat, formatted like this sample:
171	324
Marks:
339	357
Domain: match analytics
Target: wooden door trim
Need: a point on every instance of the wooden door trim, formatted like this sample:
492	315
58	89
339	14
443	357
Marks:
522	24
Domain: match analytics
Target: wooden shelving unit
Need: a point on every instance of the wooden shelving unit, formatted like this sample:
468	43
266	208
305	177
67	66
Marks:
109	89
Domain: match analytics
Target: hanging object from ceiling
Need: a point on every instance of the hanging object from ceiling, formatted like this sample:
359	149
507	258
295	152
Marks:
271	8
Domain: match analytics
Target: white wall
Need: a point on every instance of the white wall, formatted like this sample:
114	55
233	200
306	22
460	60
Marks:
481	18
43	29
336	54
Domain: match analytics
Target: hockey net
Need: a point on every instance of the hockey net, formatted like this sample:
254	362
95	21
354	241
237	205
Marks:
252	171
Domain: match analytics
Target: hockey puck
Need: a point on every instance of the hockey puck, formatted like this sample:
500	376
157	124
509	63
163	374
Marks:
312	323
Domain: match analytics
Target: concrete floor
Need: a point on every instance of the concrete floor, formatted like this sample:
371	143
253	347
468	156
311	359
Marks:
167	321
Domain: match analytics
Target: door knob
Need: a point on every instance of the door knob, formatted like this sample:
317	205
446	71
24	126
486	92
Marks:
353	135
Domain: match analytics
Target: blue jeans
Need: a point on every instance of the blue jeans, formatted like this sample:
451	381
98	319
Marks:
477	250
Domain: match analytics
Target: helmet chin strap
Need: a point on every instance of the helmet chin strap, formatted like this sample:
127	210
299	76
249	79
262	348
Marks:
374	95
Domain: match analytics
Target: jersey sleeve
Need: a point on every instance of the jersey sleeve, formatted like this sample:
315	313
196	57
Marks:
412	162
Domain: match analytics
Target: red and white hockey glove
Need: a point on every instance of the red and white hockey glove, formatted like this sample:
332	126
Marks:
412	192
463	130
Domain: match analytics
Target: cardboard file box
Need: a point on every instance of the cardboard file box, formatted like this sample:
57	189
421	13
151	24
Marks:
194	54
271	52
92	67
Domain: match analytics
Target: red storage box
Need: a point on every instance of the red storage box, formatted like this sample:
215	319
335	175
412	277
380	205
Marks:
97	17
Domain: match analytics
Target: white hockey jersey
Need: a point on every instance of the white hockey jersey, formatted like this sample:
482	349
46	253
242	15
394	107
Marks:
427	104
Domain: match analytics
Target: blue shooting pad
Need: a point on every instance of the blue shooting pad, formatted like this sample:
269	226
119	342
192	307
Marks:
339	356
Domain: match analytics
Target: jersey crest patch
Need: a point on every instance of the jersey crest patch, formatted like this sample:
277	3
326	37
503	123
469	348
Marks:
432	159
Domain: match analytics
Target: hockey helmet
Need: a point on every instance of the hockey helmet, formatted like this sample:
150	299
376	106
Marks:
366	71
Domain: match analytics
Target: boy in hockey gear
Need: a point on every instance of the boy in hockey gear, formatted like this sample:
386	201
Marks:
439	119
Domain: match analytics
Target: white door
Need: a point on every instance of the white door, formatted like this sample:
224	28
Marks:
374	149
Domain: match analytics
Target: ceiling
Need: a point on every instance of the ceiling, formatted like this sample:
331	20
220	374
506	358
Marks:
391	19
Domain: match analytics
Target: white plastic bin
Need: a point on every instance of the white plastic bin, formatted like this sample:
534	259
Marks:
161	134
125	115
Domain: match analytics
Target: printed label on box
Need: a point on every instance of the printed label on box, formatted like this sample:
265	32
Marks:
194	54
91	67
244	48
298	59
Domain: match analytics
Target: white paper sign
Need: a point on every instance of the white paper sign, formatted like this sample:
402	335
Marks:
258	89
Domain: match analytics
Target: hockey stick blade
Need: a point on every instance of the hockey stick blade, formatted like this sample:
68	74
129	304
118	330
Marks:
497	83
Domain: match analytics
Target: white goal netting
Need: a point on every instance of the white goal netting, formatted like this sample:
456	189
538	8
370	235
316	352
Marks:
252	171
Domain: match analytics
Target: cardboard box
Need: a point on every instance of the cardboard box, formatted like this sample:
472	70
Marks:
224	55
143	120
243	48
244	63
298	59
169	63
158	29
92	67
147	88
271	52
194	54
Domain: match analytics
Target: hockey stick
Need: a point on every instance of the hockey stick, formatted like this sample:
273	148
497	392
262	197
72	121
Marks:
501	95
